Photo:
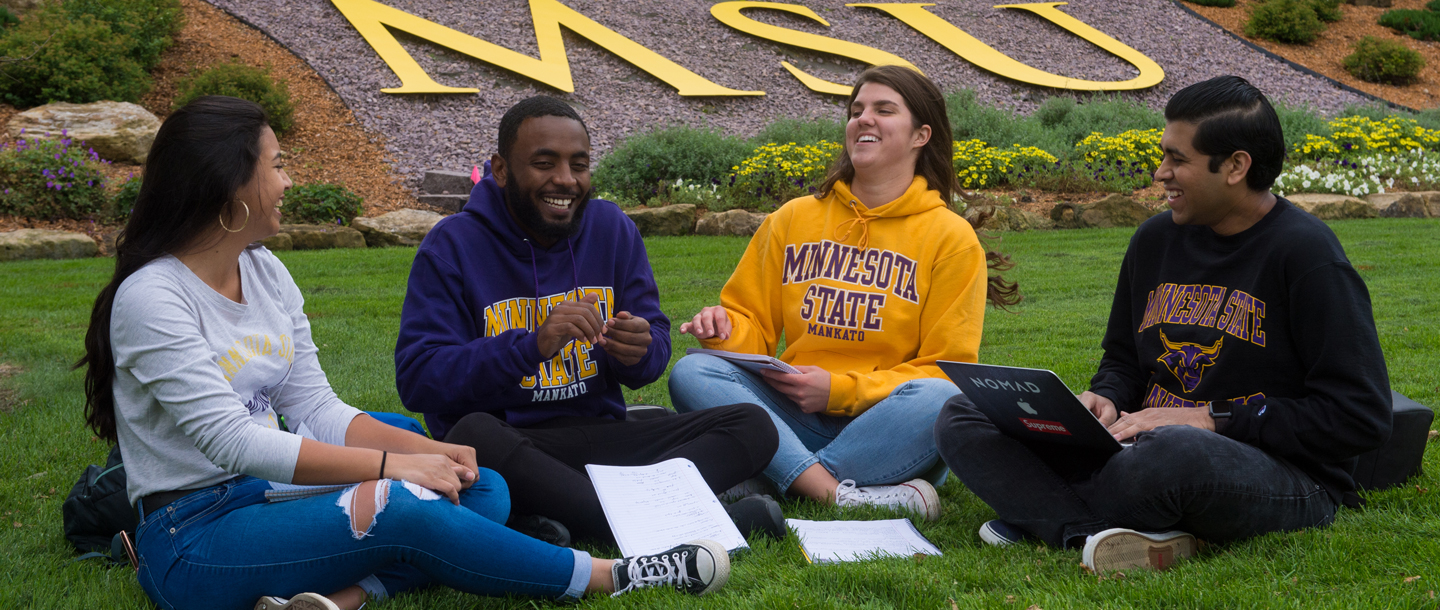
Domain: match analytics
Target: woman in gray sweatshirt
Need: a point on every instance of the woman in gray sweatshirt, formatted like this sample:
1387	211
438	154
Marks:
252	479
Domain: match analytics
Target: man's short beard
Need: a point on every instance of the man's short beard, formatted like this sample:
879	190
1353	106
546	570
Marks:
525	210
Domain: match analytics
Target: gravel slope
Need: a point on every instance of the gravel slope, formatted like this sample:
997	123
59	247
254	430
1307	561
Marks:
616	99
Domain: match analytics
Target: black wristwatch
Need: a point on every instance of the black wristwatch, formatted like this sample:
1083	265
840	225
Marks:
1221	409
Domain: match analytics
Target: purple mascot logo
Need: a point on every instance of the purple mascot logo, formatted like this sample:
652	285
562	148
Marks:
1188	360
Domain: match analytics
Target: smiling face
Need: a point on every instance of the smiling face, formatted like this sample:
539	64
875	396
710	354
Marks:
881	133
547	176
1198	196
264	193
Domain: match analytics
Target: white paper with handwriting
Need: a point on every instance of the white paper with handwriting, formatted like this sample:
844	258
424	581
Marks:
653	508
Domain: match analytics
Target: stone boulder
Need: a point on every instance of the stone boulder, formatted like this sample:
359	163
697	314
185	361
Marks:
1353	208
1375	3
439	182
1009	219
450	203
678	219
730	222
278	241
1311	201
118	131
1408	205
1430	199
398	228
1112	211
27	244
323	237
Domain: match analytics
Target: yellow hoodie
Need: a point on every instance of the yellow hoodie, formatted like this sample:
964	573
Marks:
874	296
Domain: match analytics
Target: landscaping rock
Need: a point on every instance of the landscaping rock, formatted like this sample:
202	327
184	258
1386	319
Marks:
1408	205
29	244
439	182
449	203
1352	208
323	237
1009	219
1310	201
118	131
678	219
398	228
1112	211
1376	3
730	222
279	241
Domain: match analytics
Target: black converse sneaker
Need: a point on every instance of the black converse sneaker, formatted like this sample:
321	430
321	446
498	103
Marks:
697	567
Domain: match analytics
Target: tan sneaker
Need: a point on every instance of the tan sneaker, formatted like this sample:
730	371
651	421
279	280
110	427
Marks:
916	495
303	601
1123	549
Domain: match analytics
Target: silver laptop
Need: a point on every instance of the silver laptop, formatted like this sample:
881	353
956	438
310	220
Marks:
1031	405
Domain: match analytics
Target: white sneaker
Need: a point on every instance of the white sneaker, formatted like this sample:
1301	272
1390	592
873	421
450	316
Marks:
916	495
303	601
1122	549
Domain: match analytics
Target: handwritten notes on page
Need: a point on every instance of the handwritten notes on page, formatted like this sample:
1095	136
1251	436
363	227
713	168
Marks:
835	541
653	508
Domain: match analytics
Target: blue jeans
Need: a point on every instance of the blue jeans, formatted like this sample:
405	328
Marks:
225	546
1173	477
891	442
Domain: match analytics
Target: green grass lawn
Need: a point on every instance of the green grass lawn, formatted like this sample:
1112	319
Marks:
1368	559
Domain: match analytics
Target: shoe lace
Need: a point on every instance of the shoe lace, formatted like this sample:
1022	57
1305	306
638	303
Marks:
655	570
847	494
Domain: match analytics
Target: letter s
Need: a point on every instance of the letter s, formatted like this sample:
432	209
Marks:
729	14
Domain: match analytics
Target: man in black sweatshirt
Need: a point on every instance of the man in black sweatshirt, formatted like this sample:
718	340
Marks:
1241	356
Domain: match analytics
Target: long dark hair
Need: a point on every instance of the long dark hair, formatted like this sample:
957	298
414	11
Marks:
936	163
201	157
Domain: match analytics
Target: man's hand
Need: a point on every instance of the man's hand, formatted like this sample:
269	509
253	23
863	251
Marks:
570	321
711	322
627	338
1131	424
810	389
1101	406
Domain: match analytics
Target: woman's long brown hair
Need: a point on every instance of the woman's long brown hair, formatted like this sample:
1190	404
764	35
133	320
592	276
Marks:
936	165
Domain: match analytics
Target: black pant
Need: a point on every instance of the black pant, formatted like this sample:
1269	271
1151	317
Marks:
545	464
1173	477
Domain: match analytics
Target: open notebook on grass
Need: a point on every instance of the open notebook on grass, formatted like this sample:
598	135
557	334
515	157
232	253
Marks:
836	541
653	508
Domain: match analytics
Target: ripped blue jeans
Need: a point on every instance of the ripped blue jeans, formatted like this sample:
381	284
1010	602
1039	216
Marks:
225	546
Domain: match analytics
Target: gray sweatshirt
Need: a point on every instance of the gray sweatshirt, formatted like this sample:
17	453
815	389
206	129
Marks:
200	379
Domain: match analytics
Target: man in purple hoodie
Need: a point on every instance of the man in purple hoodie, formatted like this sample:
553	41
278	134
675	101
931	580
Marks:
524	315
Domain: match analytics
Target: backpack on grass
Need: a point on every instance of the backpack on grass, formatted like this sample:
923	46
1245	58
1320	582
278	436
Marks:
98	511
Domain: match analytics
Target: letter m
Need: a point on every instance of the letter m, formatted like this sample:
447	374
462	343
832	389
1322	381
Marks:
371	19
794	263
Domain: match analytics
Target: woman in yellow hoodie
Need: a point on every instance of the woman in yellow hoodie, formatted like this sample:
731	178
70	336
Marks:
869	282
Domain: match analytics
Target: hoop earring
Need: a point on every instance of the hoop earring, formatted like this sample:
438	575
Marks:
242	225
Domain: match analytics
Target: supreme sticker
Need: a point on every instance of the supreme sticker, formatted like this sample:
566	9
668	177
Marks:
1048	427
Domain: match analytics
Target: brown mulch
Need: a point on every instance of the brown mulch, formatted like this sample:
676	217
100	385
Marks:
1324	55
326	143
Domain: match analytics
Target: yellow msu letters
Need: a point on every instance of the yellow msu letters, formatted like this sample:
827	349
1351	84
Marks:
370	19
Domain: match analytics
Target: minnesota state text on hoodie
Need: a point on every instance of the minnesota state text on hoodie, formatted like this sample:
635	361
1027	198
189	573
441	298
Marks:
479	288
874	296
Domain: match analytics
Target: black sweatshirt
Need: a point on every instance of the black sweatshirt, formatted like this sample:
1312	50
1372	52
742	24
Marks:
1273	318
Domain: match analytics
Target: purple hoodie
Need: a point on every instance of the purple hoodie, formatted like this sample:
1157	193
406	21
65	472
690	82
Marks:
466	342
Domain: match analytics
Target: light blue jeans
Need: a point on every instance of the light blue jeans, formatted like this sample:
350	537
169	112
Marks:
891	442
224	546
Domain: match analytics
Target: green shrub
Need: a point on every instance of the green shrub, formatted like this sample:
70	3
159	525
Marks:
247	83
1433	5
1219	3
642	165
149	25
322	203
802	132
49	179
1383	61
123	201
7	18
1327	10
1290	21
77	60
1420	25
775	173
1299	121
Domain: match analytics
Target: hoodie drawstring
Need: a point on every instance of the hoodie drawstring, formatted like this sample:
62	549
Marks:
535	277
849	225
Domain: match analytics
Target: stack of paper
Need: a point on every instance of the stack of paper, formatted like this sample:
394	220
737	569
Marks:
750	362
833	541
